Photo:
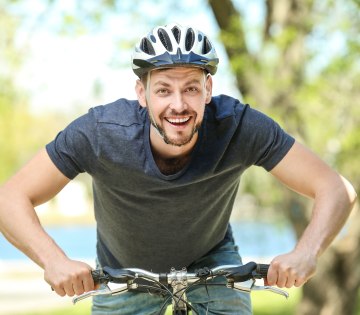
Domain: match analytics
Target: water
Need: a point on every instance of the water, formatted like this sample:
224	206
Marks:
258	239
76	241
254	239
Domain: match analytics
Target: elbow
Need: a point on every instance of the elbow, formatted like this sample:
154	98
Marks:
350	192
353	197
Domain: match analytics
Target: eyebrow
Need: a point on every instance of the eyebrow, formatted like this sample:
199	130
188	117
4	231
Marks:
163	83
193	81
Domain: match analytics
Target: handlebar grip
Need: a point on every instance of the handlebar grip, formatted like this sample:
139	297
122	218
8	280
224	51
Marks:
99	277
251	270
242	273
262	270
119	275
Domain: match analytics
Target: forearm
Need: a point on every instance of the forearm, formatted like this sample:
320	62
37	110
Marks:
333	202
20	225
36	183
332	206
333	196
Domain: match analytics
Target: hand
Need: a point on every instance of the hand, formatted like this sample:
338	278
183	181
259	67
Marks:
69	277
292	269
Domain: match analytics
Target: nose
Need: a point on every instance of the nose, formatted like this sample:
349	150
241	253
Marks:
178	103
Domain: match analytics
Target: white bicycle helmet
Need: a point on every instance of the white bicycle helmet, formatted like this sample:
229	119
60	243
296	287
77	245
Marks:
172	46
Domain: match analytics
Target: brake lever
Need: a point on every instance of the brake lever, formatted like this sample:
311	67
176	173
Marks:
271	289
248	286
85	295
105	291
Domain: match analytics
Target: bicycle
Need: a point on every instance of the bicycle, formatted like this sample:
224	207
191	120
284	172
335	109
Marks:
176	283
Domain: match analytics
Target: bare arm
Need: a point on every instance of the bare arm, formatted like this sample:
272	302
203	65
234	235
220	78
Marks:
334	197
37	182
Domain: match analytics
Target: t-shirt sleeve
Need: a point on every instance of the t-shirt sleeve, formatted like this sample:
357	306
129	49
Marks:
73	149
265	142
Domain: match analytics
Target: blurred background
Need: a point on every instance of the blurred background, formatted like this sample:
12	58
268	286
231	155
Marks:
297	61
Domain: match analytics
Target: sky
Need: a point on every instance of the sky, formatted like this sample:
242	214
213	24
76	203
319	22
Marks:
61	71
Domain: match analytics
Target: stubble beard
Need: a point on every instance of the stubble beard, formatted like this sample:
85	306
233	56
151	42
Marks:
175	142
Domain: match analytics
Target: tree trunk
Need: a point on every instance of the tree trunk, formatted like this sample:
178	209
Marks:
334	290
232	35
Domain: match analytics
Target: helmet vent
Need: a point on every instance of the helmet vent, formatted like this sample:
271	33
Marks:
189	39
207	46
147	47
176	32
165	39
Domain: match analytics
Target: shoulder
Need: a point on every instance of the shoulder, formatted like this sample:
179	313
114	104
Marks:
229	111
121	112
103	120
224	106
224	109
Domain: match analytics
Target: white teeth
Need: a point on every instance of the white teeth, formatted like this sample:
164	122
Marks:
178	120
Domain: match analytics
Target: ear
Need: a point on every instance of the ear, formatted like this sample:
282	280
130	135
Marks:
208	87
140	92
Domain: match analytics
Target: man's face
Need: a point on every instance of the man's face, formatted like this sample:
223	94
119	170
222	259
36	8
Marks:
176	102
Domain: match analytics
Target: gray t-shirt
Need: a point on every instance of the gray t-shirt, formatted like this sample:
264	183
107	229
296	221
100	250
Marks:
149	220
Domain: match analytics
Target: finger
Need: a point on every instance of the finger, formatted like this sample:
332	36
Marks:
282	278
78	287
88	283
291	279
68	288
299	282
271	276
58	290
54	287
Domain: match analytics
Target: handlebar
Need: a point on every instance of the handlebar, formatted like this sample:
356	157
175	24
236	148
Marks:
175	284
238	277
235	273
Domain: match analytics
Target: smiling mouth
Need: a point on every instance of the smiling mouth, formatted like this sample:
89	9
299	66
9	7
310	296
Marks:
178	121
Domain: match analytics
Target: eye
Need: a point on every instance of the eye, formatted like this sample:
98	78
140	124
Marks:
162	91
191	89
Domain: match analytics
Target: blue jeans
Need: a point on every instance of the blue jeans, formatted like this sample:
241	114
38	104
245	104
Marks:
217	300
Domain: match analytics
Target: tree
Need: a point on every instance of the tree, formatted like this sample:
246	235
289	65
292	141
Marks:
18	137
283	77
282	67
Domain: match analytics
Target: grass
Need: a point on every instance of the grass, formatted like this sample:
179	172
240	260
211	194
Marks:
82	308
264	303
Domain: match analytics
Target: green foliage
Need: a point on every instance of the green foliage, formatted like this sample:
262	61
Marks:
306	75
21	133
293	75
296	75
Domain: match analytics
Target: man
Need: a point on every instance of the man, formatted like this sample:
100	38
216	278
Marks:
165	172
